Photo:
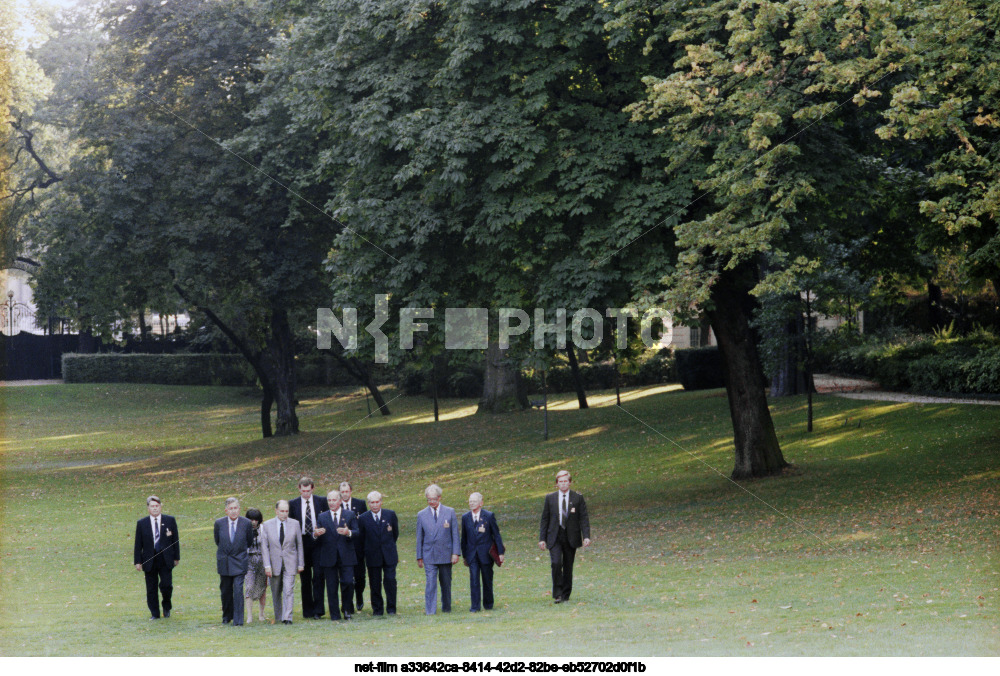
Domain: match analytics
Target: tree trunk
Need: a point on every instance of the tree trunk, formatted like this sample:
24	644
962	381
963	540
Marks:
935	316
265	364
88	344
363	374
372	386
502	387
790	378
581	394
281	357
143	329
756	445
265	413
434	387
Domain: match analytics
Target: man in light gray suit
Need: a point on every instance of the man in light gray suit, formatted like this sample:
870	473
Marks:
284	558
232	537
438	548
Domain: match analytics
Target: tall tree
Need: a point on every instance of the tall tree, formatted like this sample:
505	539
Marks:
478	152
946	98
766	113
156	204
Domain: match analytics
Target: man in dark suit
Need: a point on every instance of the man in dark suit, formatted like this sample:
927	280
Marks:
335	550
157	551
565	527
306	510
379	532
479	533
357	506
232	537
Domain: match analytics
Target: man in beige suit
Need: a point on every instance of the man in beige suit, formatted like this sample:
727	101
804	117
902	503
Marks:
284	558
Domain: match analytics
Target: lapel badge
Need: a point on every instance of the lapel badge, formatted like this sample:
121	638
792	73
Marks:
446	524
572	509
388	527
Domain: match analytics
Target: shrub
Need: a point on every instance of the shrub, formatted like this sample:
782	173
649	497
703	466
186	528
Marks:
940	363
700	368
651	368
982	372
159	369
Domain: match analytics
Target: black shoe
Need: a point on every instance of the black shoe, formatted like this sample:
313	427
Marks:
473	610
166	613
347	616
317	617
361	604
392	612
226	621
286	621
334	618
154	617
558	600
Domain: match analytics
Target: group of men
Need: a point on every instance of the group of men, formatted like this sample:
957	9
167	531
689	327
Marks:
331	542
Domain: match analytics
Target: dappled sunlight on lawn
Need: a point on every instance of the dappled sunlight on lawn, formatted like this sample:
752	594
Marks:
865	455
220	413
831	438
256	463
101	465
589	432
849	537
191	449
454	414
564	403
71	436
982	476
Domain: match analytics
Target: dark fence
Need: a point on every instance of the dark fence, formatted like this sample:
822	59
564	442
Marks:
27	356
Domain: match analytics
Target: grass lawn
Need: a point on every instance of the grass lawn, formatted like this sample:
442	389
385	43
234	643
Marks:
884	539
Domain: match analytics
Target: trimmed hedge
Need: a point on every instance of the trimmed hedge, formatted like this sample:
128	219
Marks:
601	375
700	368
927	364
652	368
158	369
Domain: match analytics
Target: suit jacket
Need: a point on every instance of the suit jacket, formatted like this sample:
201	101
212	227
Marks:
170	544
296	511
476	544
380	541
577	522
336	549
437	542
278	556
231	557
359	507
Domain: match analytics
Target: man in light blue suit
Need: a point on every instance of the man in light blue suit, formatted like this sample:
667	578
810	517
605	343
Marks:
438	548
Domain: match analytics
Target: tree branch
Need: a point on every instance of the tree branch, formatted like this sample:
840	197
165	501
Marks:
27	136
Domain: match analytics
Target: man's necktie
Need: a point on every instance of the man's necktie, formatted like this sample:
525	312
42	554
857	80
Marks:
232	530
564	512
281	533
309	521
156	532
435	516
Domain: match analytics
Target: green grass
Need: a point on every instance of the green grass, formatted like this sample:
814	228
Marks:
882	541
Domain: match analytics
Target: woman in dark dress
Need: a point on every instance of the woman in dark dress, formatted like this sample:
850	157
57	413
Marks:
255	583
